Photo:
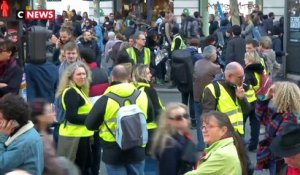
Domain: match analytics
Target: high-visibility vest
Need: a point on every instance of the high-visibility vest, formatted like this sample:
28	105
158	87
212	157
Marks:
132	55
141	86
182	45
112	107
251	93
228	106
72	130
266	68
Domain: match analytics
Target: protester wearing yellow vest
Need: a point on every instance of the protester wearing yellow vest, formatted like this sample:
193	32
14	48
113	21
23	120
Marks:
232	100
253	70
141	76
105	109
74	137
139	53
177	42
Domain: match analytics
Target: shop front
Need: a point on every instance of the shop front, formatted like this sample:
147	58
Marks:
292	38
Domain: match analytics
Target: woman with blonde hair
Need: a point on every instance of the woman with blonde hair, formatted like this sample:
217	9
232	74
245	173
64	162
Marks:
280	107
168	28
74	137
253	72
141	77
172	144
247	28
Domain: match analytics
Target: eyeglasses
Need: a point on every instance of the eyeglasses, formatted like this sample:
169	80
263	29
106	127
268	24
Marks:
179	117
207	127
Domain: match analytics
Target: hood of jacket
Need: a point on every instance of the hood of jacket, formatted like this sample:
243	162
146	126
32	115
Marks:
257	68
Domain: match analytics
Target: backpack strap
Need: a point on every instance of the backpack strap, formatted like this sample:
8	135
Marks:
121	100
217	91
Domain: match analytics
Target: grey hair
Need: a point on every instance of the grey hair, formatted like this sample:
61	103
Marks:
266	42
208	51
111	35
137	35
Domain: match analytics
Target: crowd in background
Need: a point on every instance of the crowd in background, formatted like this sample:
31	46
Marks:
73	98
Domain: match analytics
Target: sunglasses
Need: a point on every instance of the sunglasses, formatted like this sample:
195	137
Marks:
180	117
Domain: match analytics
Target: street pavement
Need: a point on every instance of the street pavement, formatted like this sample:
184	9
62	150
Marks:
173	95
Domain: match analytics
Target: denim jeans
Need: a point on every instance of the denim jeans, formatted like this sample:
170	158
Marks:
151	166
129	169
198	112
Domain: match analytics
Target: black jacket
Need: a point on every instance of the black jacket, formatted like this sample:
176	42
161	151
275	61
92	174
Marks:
250	78
82	44
213	27
172	160
12	76
235	50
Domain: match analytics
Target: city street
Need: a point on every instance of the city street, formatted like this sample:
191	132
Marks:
173	95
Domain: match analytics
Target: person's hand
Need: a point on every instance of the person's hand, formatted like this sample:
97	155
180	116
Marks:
240	92
58	43
7	127
2	85
270	92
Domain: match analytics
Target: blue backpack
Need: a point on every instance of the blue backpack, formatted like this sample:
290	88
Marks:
59	110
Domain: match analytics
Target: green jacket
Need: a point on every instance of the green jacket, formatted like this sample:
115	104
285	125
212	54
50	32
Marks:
221	159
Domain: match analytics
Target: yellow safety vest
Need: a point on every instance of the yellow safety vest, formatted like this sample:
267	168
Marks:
132	55
141	86
266	69
251	93
72	130
182	45
228	106
112	107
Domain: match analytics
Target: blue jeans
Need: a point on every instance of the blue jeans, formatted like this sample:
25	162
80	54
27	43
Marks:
151	166
272	167
129	169
198	112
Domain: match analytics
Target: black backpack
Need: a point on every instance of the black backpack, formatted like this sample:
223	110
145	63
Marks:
182	70
162	28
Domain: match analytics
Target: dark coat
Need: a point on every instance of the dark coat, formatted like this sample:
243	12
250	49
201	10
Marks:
91	45
250	71
42	80
171	160
235	50
11	74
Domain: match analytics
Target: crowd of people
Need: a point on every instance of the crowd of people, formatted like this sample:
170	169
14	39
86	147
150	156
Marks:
96	99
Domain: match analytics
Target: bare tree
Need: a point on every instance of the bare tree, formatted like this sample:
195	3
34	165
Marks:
235	12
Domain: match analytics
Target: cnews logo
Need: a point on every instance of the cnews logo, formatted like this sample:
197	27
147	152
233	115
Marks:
35	14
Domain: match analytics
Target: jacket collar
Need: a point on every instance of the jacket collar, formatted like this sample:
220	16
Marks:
219	144
122	89
21	131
